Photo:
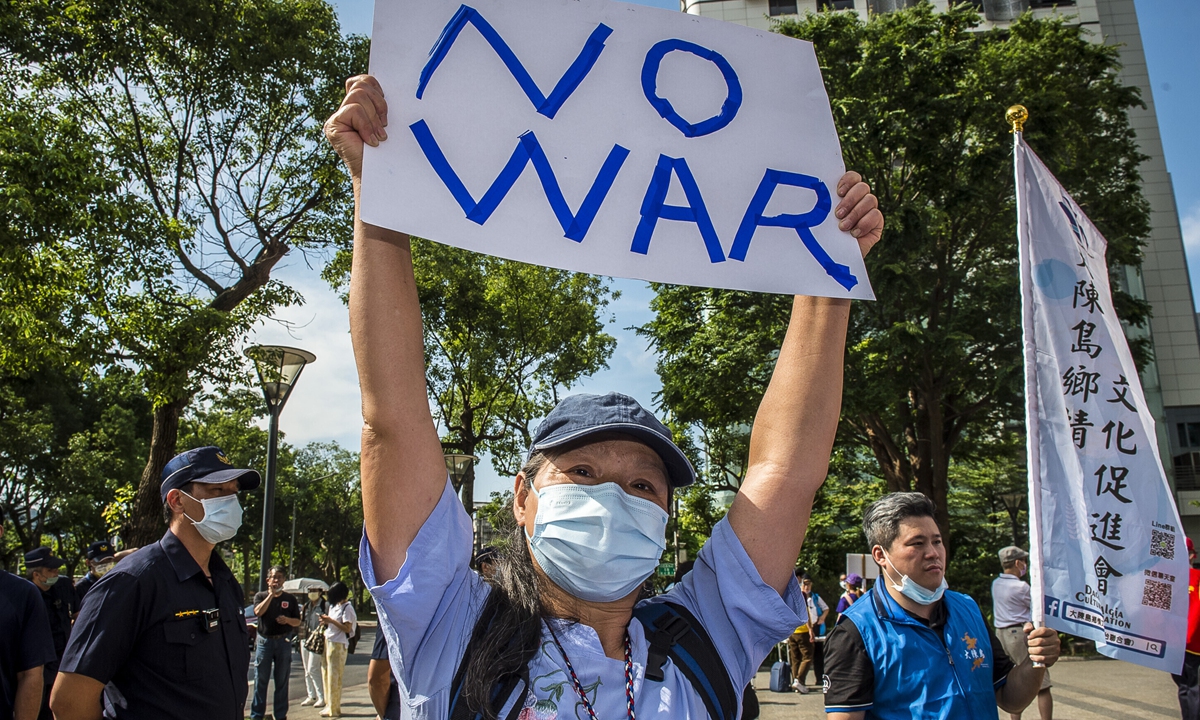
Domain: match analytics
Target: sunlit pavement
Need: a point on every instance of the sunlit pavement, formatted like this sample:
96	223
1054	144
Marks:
1091	689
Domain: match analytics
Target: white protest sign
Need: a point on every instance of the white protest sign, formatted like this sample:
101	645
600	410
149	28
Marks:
613	139
1109	561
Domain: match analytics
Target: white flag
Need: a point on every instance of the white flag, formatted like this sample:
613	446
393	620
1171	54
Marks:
1109	561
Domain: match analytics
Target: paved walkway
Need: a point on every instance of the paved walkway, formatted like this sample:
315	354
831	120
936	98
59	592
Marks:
1091	689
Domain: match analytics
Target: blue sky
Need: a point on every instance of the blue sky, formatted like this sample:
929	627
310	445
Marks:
325	405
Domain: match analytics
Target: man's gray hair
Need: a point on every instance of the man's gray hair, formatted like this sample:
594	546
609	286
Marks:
881	521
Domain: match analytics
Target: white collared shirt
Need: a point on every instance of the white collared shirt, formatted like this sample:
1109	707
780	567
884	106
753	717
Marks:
1011	600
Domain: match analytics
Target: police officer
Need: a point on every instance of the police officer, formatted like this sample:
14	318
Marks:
26	646
100	559
164	629
61	605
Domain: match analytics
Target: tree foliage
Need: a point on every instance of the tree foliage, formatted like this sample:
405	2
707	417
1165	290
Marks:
502	339
69	442
933	368
210	113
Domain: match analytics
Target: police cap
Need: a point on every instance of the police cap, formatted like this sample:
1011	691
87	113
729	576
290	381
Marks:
100	550
41	558
205	465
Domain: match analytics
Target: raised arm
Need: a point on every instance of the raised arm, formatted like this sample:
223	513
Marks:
403	473
794	429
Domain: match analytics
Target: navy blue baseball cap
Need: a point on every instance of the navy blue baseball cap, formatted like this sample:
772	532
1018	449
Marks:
578	416
205	465
100	550
41	558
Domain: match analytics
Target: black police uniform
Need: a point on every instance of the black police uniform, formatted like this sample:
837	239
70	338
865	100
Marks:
61	604
25	639
165	641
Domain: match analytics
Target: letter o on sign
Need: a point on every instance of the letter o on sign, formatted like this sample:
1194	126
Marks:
733	99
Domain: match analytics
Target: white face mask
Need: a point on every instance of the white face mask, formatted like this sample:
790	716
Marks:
222	518
103	568
49	580
314	596
597	542
913	590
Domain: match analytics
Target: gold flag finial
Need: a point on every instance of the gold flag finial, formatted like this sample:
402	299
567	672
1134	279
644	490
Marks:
1016	116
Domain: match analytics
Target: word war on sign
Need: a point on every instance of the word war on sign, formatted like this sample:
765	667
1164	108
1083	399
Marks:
663	146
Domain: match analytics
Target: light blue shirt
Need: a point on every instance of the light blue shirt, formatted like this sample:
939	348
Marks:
427	613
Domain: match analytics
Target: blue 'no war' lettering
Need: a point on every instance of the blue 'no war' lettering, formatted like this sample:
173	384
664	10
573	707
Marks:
575	225
802	223
654	207
729	108
546	105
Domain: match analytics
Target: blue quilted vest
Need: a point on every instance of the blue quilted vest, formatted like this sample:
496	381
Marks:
922	673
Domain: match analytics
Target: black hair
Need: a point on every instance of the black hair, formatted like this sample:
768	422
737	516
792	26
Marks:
514	636
278	569
338	592
881	521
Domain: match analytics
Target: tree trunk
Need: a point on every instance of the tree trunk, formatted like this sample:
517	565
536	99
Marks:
145	523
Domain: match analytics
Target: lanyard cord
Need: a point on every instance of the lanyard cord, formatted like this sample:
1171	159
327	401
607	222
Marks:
587	704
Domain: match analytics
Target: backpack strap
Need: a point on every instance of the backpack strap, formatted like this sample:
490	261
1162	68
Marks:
504	689
674	633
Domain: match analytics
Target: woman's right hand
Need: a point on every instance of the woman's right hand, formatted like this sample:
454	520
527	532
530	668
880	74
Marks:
362	118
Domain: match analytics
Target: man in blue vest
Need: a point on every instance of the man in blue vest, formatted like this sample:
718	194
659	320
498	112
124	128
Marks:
910	648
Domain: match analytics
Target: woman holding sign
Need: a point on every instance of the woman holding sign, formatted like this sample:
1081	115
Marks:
558	631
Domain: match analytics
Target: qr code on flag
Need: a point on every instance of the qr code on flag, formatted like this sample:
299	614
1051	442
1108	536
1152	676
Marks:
1157	595
1162	544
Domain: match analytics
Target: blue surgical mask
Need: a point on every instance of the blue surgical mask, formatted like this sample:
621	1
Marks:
914	591
597	542
222	518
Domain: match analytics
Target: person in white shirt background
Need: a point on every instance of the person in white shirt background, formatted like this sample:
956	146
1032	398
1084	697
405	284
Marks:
339	624
1011	606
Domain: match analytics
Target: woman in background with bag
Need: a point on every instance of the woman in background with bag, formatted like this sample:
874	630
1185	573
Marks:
312	645
340	624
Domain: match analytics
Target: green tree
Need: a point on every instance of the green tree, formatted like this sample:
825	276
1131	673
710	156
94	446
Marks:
211	113
933	370
502	340
70	441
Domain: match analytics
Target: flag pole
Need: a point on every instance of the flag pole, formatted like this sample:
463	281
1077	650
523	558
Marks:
1016	117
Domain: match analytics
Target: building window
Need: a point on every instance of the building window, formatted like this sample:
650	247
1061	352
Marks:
1187	471
783	7
835	5
1189	434
1050	3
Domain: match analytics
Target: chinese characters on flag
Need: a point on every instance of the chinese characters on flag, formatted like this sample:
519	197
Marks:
1108	556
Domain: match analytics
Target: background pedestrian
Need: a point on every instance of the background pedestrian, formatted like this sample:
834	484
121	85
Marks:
1011	609
100	559
1188	679
853	592
381	683
314	660
27	646
58	596
278	617
818	611
800	649
340	623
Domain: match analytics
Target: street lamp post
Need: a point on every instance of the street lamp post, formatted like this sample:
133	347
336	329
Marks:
278	370
1014	503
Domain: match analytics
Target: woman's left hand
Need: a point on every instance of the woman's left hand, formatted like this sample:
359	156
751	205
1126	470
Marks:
858	212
